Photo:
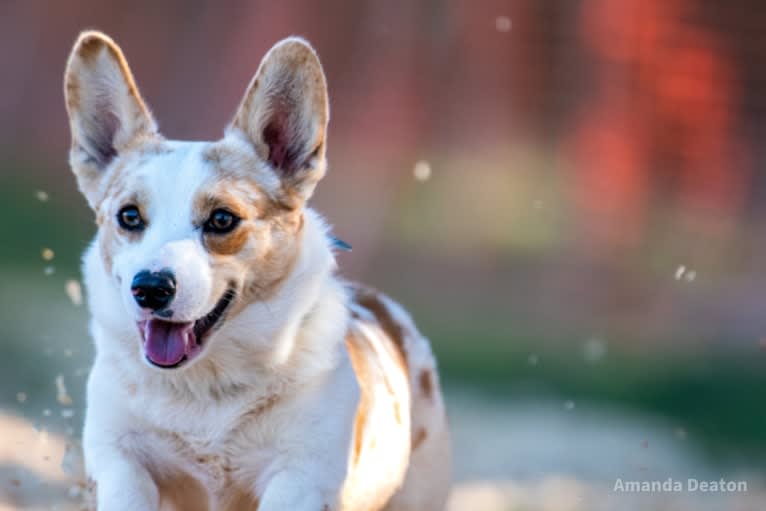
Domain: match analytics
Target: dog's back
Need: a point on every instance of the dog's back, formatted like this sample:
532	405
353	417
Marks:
400	389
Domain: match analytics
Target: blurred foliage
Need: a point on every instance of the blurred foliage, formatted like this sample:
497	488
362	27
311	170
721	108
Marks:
62	222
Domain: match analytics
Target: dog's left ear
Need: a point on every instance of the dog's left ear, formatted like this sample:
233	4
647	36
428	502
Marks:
284	115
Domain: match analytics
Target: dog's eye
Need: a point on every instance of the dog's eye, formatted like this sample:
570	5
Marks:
130	219
221	222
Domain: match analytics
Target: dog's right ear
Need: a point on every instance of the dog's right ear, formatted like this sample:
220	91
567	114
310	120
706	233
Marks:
106	112
284	114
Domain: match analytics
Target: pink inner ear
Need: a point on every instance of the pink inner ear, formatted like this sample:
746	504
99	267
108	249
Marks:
99	131
287	149
275	137
284	148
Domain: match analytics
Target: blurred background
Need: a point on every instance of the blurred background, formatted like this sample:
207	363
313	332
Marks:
569	196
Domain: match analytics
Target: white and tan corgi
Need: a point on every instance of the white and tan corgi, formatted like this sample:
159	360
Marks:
234	370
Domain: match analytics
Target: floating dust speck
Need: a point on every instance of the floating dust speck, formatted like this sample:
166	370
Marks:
594	350
680	433
684	273
645	444
533	359
569	405
41	195
74	291
503	24
21	397
67	413
537	204
47	254
49	270
68	353
422	171
62	396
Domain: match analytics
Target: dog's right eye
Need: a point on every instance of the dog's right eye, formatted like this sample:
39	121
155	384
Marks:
221	221
130	219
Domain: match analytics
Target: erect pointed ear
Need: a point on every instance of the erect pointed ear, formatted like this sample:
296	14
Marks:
106	112
284	115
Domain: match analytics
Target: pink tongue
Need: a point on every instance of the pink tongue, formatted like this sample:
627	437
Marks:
166	343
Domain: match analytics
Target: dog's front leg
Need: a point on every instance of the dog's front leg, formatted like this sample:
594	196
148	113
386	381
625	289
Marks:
124	485
123	482
293	490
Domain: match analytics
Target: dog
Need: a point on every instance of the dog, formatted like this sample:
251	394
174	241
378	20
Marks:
234	369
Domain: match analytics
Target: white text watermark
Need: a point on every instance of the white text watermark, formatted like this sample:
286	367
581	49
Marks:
671	485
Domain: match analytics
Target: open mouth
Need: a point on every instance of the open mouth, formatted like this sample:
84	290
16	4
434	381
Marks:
170	344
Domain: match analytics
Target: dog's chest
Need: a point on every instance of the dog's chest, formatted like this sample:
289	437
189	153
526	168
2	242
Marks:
214	455
212	474
206	460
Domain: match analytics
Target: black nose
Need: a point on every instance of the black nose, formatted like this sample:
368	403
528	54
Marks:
153	290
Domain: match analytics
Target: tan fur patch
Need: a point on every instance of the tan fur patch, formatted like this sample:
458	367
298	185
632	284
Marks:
426	383
182	492
229	243
370	299
263	247
205	203
419	438
262	407
397	412
72	93
364	376
234	165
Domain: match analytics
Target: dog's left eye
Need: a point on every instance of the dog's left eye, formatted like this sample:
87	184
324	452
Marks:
221	222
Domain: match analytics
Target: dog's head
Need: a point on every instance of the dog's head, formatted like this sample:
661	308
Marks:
191	233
